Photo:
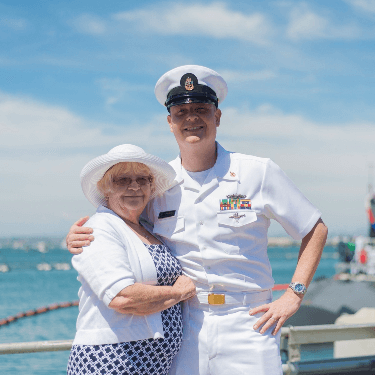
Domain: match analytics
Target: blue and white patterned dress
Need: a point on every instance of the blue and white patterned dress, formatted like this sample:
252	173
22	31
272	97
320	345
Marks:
141	357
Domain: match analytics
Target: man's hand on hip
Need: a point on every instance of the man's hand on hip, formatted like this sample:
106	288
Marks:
277	312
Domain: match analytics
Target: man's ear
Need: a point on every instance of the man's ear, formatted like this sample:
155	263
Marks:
218	117
169	119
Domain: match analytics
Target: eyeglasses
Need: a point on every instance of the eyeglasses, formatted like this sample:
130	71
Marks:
126	181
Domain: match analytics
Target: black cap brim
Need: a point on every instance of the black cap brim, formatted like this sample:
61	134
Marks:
191	97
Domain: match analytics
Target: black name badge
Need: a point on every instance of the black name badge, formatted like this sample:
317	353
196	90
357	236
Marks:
163	215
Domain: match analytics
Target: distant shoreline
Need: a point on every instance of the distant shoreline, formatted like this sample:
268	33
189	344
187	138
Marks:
45	243
289	242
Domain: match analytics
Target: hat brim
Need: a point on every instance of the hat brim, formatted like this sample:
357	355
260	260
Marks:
163	174
189	100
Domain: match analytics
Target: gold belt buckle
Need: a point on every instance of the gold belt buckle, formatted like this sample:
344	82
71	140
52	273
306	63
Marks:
216	299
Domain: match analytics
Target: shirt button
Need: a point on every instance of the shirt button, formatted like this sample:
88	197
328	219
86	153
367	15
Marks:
201	223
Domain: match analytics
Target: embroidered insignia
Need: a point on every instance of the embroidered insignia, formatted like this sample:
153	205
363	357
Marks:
237	217
232	174
236	196
235	203
189	84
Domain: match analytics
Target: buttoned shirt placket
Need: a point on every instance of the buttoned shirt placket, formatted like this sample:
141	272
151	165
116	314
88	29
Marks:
200	211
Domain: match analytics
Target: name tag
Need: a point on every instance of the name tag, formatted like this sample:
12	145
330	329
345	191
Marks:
163	215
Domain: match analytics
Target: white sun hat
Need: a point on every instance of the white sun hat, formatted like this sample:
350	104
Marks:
163	174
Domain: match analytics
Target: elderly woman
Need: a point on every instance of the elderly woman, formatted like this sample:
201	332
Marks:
130	319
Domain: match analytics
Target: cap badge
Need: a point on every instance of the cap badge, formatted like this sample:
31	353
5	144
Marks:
189	84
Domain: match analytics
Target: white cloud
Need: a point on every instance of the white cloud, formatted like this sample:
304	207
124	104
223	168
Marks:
13	23
305	24
293	133
243	76
34	128
42	151
363	5
214	20
21	119
43	148
89	24
116	90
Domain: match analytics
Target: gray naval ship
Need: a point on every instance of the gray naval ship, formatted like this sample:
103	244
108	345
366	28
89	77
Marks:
353	286
327	299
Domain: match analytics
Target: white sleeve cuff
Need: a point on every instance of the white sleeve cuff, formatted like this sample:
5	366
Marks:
112	292
316	216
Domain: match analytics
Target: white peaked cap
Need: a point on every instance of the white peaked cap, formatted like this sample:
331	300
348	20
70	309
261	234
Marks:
205	76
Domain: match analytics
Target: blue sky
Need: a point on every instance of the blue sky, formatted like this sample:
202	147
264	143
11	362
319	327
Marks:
77	78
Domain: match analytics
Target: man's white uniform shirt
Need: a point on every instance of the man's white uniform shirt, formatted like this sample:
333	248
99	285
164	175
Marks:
226	250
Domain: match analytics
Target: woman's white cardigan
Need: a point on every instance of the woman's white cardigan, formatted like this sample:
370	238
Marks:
116	259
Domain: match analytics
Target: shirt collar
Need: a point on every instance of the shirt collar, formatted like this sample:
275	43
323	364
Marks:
222	168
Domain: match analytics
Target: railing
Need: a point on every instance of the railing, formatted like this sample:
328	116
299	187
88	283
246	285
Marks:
293	337
291	340
35	346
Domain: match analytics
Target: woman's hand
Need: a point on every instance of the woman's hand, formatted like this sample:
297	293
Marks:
79	236
185	287
141	299
277	312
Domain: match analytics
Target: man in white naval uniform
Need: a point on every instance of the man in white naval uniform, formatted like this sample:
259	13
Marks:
215	221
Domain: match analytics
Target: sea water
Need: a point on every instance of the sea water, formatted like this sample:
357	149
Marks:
24	287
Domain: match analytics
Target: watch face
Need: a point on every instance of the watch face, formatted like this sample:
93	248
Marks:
299	288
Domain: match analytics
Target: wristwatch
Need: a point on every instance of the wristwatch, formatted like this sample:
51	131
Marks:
298	288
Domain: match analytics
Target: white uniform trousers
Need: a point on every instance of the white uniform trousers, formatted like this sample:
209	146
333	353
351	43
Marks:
221	339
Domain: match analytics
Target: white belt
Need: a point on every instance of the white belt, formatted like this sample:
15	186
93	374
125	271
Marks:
225	298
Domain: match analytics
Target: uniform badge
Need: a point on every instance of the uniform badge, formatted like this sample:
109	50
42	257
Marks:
236	196
235	202
189	84
237	217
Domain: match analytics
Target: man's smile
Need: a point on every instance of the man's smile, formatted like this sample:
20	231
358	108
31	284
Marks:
193	128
